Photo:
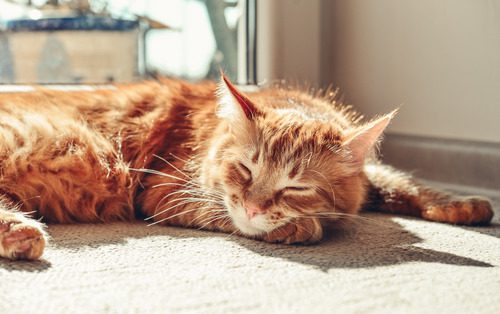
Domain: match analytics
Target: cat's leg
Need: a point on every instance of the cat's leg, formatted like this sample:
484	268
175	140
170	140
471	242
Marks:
21	237
395	192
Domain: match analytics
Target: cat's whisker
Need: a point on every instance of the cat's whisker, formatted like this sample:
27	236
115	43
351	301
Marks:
189	185
173	216
160	202
232	233
194	193
226	220
172	165
192	188
206	216
167	209
184	201
178	158
197	191
167	184
209	211
177	215
156	172
186	182
223	222
203	215
204	211
205	192
211	221
195	199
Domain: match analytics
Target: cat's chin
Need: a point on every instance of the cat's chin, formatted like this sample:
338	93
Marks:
246	227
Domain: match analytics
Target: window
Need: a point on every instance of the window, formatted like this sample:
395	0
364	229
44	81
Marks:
97	41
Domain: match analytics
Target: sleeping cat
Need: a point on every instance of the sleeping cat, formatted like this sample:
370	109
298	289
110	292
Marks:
273	165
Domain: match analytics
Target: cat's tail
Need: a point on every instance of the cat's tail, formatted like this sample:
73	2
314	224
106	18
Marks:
395	192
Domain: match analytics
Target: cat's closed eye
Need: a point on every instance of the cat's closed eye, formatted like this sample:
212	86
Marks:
245	170
297	189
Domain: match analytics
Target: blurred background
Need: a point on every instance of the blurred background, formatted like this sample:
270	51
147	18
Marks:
75	41
438	60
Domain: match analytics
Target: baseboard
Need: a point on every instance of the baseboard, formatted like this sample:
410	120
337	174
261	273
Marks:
465	165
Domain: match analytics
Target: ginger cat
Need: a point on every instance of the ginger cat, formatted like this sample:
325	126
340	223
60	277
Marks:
273	165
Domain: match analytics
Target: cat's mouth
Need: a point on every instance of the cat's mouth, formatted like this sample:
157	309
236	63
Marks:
247	228
254	227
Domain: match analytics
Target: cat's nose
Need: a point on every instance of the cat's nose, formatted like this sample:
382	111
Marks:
253	210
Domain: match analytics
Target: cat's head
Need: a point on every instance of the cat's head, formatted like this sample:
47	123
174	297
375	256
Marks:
274	164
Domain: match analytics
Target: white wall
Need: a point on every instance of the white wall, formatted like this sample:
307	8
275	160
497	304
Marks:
437	59
288	40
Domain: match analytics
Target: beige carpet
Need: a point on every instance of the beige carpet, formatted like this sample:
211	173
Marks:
386	264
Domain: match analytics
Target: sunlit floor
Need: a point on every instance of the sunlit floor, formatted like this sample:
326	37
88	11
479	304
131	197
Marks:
382	263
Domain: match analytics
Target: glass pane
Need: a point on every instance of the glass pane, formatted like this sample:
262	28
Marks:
79	41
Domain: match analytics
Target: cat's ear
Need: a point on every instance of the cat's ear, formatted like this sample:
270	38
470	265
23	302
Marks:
234	106
361	141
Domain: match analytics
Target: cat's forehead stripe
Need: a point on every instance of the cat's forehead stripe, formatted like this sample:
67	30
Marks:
294	171
285	181
255	156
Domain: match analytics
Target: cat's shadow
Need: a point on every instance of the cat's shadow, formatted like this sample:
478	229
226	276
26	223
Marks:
492	230
379	241
376	240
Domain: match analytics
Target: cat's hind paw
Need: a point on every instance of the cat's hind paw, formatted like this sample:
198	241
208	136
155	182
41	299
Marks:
21	238
471	210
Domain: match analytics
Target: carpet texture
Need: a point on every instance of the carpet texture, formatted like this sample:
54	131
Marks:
384	264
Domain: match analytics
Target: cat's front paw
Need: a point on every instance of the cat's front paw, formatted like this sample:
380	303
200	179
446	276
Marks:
298	231
21	238
471	210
